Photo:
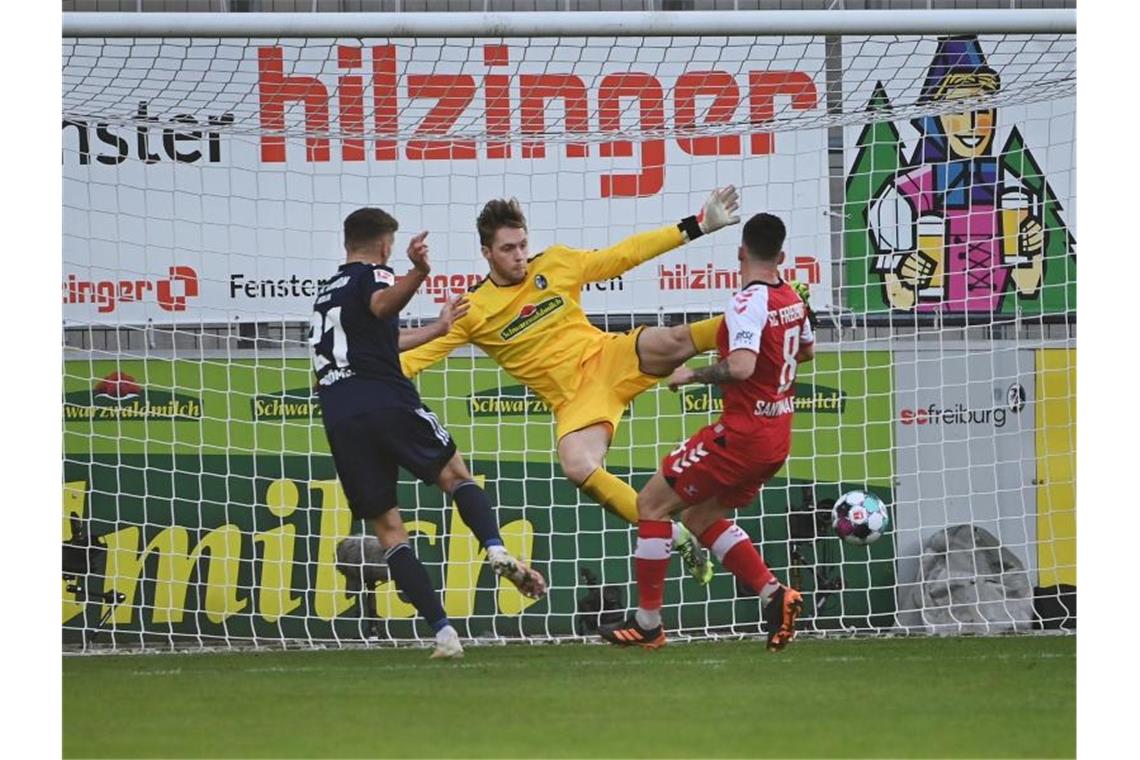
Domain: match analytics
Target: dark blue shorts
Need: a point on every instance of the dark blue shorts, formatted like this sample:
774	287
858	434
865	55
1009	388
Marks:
368	448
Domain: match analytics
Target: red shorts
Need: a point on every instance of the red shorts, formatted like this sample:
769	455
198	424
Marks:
714	464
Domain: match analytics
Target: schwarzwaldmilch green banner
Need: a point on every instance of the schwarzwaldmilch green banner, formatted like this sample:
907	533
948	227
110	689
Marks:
214	492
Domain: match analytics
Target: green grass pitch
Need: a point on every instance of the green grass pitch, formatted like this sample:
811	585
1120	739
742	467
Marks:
920	697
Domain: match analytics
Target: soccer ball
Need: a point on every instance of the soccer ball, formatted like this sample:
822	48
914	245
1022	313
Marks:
859	517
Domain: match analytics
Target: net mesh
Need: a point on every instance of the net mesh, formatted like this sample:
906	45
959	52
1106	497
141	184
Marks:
928	187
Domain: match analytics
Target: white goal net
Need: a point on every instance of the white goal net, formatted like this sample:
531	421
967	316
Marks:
927	182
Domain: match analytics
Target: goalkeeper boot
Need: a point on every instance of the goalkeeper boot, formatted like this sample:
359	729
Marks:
631	634
528	581
780	616
447	646
696	560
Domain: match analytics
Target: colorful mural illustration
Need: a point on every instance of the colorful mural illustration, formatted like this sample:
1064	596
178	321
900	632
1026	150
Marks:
959	227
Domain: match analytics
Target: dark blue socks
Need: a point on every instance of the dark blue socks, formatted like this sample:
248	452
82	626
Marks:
411	577
475	509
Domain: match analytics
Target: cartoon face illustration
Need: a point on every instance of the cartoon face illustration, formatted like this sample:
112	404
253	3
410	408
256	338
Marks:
960	224
968	133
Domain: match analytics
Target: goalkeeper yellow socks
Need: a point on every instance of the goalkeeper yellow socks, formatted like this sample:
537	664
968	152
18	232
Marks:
703	333
615	495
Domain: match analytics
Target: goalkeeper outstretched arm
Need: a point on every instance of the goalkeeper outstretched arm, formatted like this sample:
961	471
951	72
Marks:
452	312
417	355
719	211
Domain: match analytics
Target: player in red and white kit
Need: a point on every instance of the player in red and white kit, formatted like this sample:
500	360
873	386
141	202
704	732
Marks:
766	335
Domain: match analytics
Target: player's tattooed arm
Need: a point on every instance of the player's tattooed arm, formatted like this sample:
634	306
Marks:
737	366
713	374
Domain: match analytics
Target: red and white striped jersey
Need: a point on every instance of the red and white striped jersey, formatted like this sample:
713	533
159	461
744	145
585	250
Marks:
771	321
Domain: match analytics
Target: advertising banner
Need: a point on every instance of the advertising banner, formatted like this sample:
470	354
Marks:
961	212
966	440
212	487
216	189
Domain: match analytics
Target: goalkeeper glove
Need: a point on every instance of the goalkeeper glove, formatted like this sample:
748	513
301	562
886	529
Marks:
719	211
804	293
802	290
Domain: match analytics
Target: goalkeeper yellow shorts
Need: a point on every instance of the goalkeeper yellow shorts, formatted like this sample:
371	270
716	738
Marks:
611	379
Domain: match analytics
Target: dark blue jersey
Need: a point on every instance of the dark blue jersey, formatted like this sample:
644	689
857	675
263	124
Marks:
355	355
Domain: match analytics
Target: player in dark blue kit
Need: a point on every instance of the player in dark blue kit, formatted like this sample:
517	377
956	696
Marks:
374	418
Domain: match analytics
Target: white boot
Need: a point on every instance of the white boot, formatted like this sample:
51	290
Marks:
528	581
447	644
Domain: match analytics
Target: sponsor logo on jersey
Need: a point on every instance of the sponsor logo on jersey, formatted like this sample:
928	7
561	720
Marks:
531	314
291	404
743	336
171	293
540	282
118	396
809	398
335	375
384	276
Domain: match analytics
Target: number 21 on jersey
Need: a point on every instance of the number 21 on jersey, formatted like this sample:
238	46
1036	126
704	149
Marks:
328	351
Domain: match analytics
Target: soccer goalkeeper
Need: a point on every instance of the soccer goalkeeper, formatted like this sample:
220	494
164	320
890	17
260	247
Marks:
526	315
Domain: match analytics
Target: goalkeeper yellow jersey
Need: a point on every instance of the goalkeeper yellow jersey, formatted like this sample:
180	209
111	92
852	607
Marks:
536	330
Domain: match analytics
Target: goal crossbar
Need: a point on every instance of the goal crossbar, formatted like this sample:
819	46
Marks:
556	24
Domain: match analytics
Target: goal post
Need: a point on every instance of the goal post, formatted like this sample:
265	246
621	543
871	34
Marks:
924	163
576	24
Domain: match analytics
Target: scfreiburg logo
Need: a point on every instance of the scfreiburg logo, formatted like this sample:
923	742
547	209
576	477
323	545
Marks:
1015	397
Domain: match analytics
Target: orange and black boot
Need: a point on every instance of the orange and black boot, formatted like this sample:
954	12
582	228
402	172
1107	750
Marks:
630	634
780	617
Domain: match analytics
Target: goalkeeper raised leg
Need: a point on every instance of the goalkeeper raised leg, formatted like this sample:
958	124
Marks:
526	315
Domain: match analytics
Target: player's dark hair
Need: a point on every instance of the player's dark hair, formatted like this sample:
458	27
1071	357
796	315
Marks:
365	225
497	214
763	237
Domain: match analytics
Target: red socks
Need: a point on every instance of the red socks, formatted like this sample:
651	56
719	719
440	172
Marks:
734	549
725	539
651	559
